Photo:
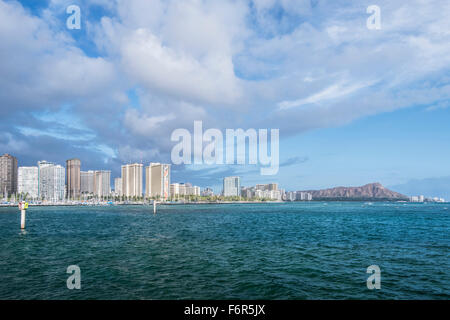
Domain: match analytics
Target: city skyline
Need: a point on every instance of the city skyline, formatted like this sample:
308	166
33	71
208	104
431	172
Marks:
95	182
50	181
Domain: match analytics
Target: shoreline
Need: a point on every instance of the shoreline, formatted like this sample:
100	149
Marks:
205	203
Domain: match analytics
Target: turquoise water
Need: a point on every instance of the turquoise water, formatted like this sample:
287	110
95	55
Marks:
239	251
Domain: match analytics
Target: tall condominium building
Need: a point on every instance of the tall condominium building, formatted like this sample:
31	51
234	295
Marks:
28	182
51	181
231	186
118	186
102	183
132	180
8	175
157	180
87	182
73	182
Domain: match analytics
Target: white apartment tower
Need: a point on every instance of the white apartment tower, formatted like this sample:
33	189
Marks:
52	182
132	180
157	180
28	182
102	183
118	186
231	186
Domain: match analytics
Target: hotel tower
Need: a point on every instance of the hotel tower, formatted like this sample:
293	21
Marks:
73	182
157	181
132	180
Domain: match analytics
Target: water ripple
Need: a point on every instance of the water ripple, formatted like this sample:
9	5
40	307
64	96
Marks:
255	251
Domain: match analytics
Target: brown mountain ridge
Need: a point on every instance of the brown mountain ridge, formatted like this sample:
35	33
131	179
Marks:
371	191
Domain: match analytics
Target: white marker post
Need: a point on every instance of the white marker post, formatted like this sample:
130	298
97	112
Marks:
154	207
23	206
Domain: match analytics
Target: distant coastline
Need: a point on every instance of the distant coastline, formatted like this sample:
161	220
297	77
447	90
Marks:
373	192
207	203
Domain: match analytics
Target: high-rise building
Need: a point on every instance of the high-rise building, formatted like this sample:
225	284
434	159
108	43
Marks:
87	182
51	181
8	175
28	182
102	183
157	180
231	186
118	186
132	180
73	182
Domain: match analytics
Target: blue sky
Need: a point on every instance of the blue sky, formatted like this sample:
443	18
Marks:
353	105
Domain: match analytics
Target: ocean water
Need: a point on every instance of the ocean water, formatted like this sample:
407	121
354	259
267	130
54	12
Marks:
314	250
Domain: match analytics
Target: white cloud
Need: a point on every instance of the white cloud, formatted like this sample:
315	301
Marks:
11	144
175	73
335	91
185	51
42	68
186	59
145	125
